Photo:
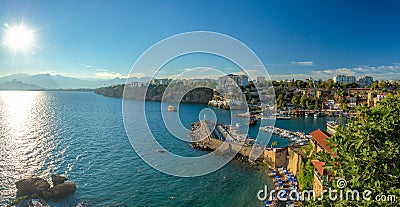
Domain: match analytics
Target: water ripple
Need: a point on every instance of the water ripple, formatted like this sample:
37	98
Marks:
82	136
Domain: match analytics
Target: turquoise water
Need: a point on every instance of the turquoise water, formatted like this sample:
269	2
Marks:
81	135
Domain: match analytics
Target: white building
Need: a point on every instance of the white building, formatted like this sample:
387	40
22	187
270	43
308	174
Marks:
365	80
244	80
233	79
260	79
163	81
344	79
231	83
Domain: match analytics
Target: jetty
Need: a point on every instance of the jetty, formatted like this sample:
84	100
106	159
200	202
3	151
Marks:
210	136
225	140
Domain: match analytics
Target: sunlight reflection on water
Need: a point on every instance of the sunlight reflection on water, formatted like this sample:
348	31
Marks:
23	145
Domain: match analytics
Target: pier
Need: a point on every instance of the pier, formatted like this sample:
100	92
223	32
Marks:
299	138
211	136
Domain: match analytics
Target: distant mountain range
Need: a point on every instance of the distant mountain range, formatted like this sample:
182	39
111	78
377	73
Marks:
18	85
24	81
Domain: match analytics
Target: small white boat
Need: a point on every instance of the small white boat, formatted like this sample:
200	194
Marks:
172	108
37	202
283	117
331	127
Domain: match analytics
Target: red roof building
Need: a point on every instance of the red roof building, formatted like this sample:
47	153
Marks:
319	166
320	137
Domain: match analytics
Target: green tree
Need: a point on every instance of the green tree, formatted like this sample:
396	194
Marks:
367	154
303	100
374	85
296	100
306	174
310	84
339	95
382	84
329	84
299	84
280	101
274	144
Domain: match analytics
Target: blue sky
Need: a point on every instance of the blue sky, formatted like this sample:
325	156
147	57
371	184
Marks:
103	39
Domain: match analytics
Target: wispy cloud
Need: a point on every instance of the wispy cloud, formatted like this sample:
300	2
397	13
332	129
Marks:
98	69
106	75
201	69
53	72
137	75
289	76
383	72
303	63
112	75
198	72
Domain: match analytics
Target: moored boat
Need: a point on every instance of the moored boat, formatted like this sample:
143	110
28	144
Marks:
283	117
171	108
37	202
331	127
272	173
253	120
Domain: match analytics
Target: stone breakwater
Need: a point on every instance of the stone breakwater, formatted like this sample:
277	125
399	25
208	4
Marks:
206	137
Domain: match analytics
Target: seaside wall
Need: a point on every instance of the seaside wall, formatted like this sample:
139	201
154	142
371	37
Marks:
276	157
212	144
294	161
318	187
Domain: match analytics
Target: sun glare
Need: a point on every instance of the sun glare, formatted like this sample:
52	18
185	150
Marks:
19	38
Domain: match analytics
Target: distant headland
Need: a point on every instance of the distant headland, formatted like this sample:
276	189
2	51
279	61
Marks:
156	93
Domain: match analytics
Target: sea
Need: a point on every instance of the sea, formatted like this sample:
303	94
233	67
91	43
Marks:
81	135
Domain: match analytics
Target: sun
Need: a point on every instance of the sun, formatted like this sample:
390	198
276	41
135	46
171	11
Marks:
19	38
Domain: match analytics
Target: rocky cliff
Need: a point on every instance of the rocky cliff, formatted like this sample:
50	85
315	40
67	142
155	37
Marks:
156	93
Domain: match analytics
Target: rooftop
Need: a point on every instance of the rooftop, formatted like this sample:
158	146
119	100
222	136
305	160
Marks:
319	166
320	137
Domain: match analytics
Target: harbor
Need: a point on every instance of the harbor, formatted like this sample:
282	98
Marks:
282	168
297	137
209	135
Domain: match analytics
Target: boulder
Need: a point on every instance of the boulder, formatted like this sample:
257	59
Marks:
57	180
39	186
62	190
29	186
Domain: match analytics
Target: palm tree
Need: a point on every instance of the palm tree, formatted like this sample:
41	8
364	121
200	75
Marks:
274	144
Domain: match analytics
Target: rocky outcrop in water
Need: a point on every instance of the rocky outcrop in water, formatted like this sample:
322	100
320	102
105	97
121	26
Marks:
39	186
62	190
30	186
57	180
